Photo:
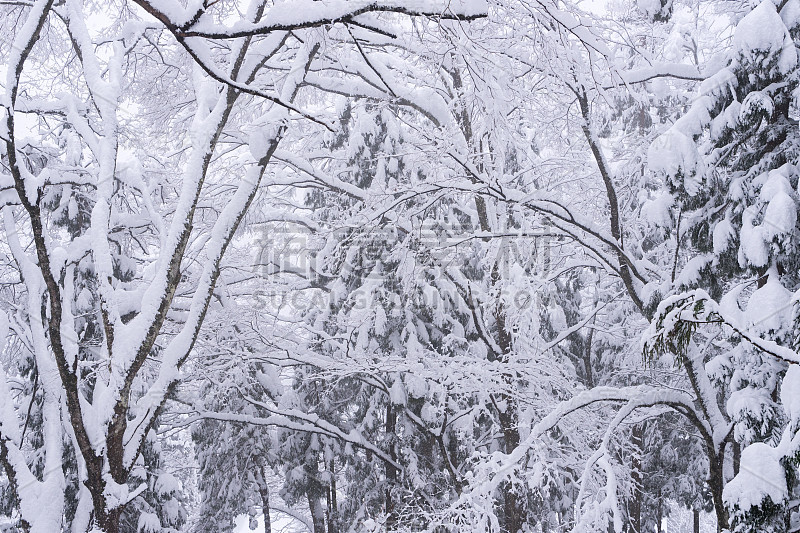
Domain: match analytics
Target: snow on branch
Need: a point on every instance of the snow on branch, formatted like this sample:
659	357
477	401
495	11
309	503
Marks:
664	70
500	467
300	14
299	421
678	317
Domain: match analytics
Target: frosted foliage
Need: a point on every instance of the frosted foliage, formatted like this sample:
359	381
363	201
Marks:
657	210
755	102
760	476
649	7
675	156
769	309
723	236
790	14
762	33
776	229
399	265
790	393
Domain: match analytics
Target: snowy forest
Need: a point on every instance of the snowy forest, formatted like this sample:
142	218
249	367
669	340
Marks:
366	266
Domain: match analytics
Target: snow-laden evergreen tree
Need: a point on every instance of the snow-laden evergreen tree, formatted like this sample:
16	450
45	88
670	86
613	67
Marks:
480	238
384	304
729	167
234	462
163	200
162	505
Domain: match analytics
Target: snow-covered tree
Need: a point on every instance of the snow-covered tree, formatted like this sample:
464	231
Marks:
156	203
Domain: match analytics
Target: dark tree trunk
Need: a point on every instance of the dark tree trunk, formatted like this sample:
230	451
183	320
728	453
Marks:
716	482
333	514
635	505
587	358
659	511
263	491
317	514
513	512
513	515
391	471
109	521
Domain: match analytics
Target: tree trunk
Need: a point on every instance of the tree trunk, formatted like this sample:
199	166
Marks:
635	505
109	521
696	518
587	358
587	352
716	483
659	511
391	471
513	513
317	513
263	490
333	515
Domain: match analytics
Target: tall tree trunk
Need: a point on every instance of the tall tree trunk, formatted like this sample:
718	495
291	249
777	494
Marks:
513	511
391	471
109	521
659	511
587	358
317	513
333	514
716	483
587	352
263	491
513	515
635	505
